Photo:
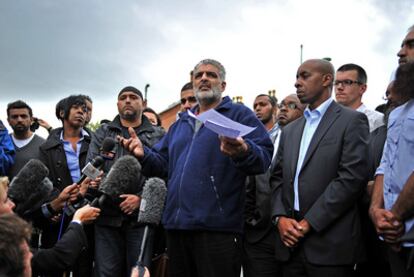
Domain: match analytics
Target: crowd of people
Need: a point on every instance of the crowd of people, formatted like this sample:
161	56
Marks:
320	187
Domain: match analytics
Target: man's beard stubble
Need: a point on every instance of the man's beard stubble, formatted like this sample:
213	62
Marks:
207	98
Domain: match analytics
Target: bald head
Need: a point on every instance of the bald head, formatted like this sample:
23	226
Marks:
314	82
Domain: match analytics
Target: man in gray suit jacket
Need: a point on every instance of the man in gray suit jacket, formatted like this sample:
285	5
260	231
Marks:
320	172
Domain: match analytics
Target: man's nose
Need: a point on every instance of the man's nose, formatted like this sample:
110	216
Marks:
401	53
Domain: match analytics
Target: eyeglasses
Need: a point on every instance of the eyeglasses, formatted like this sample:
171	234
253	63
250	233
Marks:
291	106
190	99
346	82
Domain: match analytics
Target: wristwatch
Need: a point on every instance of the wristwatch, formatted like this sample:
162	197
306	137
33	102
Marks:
275	220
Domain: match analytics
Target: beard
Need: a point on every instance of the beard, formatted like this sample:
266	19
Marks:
20	129
129	115
206	98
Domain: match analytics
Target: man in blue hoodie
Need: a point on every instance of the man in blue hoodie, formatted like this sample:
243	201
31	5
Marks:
206	173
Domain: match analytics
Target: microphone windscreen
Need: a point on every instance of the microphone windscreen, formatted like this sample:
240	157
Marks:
28	180
108	144
152	201
124	176
31	187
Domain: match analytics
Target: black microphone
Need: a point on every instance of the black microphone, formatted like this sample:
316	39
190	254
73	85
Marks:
151	208
108	148
30	188
123	176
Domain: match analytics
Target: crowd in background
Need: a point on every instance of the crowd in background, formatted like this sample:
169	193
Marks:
322	186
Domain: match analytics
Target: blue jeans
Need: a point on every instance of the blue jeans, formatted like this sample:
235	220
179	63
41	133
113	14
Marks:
117	249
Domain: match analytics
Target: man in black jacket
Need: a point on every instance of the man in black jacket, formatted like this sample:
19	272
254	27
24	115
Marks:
117	234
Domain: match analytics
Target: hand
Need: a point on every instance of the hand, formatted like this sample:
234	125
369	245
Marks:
133	144
70	193
233	147
130	203
386	224
290	231
86	214
83	187
305	226
135	273
44	124
94	184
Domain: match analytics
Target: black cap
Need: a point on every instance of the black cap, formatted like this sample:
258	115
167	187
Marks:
131	89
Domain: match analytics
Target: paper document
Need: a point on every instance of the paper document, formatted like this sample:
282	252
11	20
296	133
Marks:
222	125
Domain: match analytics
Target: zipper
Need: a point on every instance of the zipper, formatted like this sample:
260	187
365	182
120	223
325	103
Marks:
216	192
182	172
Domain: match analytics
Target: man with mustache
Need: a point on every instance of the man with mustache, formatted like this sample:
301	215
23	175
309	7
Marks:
26	143
406	53
206	173
118	236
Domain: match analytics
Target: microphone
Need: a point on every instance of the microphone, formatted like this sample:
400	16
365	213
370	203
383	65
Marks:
152	201
31	187
108	150
91	170
123	177
151	208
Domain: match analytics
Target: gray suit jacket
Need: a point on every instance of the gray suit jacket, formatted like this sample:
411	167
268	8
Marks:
331	180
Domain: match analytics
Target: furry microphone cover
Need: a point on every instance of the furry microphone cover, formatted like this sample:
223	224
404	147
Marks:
30	187
152	201
124	177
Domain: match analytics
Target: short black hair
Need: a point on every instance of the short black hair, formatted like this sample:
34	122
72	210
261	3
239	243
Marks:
272	99
86	97
19	104
66	104
149	110
187	87
361	74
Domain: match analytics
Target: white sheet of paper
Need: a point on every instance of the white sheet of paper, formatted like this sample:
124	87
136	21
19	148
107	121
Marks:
222	125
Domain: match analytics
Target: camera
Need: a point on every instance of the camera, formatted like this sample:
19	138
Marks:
35	124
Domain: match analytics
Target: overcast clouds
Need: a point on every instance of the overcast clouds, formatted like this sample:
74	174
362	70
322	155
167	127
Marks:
50	49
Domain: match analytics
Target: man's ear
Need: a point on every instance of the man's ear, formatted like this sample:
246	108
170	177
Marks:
223	85
327	80
62	114
362	89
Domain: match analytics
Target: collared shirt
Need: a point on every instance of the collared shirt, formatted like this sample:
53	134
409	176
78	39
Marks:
313	118
375	119
397	159
274	135
72	156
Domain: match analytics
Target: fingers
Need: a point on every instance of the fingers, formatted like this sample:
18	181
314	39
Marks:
132	133
232	146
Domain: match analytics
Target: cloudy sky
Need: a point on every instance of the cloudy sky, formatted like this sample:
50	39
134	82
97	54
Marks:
50	49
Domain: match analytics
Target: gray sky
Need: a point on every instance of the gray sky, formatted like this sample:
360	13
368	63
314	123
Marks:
50	49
